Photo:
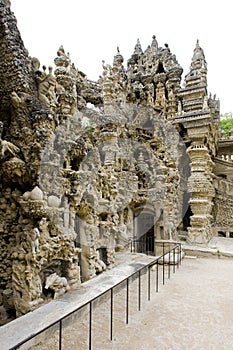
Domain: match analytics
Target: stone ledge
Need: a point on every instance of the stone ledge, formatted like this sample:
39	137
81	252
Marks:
206	252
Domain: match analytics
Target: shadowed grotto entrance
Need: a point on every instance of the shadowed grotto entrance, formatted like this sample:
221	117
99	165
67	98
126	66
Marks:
144	234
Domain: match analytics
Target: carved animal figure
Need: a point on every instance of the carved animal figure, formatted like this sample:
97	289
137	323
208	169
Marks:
57	283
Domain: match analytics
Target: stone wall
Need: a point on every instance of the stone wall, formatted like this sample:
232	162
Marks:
223	210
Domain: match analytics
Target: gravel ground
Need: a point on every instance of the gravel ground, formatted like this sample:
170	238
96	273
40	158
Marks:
193	310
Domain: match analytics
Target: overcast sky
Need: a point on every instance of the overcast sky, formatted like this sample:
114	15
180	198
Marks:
91	30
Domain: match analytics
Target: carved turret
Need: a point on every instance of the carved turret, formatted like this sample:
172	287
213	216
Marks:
154	44
154	78
136	55
198	69
66	75
114	84
138	49
195	89
196	116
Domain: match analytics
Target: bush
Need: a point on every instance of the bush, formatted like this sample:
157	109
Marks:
226	122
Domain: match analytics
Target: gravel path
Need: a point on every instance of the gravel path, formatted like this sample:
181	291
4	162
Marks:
194	310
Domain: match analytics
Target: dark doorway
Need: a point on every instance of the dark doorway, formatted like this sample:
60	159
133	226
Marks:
145	241
186	218
149	241
103	254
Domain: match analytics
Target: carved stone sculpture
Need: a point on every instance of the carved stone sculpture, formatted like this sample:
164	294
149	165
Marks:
56	283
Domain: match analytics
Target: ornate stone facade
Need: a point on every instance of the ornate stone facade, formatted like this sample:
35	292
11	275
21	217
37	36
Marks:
87	167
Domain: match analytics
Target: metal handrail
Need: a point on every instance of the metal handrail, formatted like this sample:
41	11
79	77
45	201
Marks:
177	246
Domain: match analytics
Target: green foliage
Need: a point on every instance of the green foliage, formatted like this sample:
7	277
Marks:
226	122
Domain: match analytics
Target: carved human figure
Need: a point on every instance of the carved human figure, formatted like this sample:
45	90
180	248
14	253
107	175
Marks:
150	94
34	236
46	84
122	237
91	229
43	226
6	146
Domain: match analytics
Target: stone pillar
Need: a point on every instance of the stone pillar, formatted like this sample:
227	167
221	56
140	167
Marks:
202	192
66	76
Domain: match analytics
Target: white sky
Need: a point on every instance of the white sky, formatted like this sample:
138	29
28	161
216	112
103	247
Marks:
91	30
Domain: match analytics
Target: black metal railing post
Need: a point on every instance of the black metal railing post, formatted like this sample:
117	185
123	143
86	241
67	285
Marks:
157	276
127	301
174	260
149	283
139	290
180	253
163	265
111	315
60	334
169	263
90	324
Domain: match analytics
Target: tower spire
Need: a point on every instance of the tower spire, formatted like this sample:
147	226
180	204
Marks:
136	54
138	48
198	53
154	44
198	68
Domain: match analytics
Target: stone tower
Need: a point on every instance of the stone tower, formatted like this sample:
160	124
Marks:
200	125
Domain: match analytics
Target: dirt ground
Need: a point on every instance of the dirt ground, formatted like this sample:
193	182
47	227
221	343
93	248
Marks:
193	310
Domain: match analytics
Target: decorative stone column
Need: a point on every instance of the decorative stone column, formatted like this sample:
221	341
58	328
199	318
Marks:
66	75
202	192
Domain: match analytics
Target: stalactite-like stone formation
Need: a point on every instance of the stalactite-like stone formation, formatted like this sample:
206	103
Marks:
86	167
